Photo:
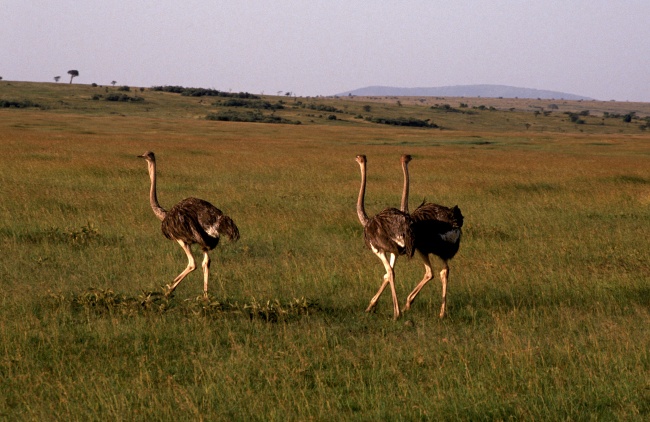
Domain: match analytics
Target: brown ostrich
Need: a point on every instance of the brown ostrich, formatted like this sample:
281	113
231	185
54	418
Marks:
437	231
388	235
190	221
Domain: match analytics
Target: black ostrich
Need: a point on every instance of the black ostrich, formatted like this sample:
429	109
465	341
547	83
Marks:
387	234
437	231
190	221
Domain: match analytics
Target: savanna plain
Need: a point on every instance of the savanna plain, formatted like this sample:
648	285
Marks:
549	295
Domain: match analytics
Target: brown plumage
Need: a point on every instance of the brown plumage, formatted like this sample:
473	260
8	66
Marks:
388	235
190	221
437	231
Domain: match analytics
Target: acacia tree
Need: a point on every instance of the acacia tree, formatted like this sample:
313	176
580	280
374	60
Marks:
56	78
113	83
72	74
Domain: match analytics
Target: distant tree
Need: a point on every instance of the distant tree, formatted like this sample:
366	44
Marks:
113	83
73	74
0	78
56	78
629	116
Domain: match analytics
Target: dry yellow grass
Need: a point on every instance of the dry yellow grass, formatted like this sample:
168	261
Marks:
548	298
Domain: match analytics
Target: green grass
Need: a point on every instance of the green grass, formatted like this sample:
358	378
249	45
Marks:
548	303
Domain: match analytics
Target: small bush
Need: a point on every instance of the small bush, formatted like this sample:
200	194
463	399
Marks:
404	121
246	103
575	118
322	107
249	116
629	116
202	92
114	96
17	104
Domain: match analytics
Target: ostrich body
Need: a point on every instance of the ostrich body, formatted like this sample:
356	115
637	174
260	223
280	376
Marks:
437	231
388	235
190	221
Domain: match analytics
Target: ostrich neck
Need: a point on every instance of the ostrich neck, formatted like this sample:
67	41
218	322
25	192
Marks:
153	198
405	192
361	212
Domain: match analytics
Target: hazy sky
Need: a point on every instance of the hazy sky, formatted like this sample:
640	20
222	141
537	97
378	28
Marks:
594	48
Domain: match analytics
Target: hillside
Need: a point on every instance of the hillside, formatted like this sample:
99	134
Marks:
430	113
484	91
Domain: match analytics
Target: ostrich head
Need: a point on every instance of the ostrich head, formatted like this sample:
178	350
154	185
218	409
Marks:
149	156
406	158
361	159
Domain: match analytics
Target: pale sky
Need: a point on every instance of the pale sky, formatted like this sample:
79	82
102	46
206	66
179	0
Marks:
593	48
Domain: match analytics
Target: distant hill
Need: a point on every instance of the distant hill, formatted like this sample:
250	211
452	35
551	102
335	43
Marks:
486	91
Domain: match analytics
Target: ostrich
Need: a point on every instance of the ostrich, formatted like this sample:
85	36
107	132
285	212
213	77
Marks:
387	234
437	231
190	221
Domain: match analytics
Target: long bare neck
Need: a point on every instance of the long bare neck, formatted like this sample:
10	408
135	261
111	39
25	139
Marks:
361	211
153	198
404	206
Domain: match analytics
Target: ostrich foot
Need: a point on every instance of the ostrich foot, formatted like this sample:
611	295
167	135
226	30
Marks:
168	290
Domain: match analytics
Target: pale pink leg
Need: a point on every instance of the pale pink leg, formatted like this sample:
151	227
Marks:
389	278
443	277
428	275
373	301
191	266
206	273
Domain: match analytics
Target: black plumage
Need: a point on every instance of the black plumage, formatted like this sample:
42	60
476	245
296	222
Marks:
191	221
436	230
388	234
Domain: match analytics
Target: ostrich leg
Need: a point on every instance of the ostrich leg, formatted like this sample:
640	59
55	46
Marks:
428	275
191	266
206	272
443	278
389	278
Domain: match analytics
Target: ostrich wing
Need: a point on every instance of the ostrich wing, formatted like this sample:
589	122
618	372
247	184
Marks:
191	221
390	231
429	211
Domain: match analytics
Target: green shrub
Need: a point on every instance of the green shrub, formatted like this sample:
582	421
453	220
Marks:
404	121
249	116
246	103
114	96
17	104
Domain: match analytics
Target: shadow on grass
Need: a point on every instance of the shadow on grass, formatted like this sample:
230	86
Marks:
108	303
463	307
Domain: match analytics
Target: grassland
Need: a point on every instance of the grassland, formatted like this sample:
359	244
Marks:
549	297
